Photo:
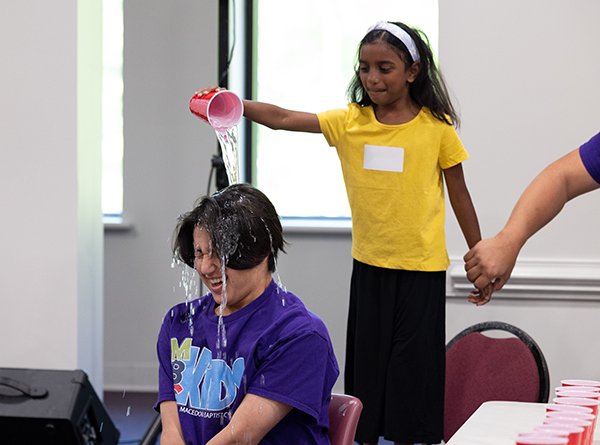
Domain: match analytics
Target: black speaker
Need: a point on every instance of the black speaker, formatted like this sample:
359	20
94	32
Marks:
52	407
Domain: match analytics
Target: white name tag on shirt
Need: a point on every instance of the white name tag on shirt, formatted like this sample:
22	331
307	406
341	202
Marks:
389	159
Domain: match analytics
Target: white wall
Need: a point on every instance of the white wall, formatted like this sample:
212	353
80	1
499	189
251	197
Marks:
51	231
170	52
525	75
526	78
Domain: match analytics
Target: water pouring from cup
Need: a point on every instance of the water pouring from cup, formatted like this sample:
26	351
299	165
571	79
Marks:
223	110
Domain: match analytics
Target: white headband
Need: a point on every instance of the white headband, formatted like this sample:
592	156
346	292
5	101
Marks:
399	33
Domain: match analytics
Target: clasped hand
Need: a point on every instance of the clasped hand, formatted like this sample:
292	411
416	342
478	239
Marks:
489	265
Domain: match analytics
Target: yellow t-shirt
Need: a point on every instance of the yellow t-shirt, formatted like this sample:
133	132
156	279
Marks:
394	182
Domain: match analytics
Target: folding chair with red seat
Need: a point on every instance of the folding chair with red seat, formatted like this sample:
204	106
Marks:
344	412
481	367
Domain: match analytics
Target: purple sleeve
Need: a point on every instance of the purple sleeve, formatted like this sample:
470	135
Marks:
165	373
297	372
590	155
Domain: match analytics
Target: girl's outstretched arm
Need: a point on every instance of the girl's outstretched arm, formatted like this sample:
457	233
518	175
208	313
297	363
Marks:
278	118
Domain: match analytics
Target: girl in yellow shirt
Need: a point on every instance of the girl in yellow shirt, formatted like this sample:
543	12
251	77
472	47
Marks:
397	145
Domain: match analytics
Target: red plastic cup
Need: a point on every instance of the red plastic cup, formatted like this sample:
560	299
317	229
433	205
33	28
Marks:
578	429
577	388
582	394
221	108
544	435
574	417
542	440
553	407
579	382
578	401
570	415
589	403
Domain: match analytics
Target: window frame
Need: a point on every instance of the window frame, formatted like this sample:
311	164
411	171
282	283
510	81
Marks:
245	53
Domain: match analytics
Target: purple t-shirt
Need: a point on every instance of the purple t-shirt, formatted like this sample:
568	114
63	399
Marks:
274	348
590	155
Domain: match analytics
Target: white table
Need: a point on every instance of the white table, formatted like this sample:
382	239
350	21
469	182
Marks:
498	423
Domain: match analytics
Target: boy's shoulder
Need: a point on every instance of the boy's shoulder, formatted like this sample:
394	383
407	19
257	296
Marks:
184	310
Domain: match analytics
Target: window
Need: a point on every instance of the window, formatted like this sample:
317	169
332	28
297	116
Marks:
304	56
112	110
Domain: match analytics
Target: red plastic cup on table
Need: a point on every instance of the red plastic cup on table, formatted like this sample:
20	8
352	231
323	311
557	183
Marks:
570	415
543	435
578	401
221	108
588	392
582	394
574	433
583	420
553	407
542	440
577	388
580	382
578	429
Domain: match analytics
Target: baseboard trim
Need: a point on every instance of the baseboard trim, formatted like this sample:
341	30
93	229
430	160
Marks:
572	280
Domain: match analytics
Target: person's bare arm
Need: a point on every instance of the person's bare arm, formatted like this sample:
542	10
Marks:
278	118
492	260
462	205
171	428
252	420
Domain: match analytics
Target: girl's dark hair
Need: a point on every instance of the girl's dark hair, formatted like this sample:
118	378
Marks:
427	90
243	226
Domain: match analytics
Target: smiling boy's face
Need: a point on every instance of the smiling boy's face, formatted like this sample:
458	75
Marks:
241	286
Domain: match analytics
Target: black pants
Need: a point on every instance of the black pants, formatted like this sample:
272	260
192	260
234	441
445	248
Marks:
395	353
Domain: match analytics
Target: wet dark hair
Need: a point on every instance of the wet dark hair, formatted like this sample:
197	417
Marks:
427	90
243	226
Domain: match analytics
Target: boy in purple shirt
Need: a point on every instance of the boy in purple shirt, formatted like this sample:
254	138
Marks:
492	260
246	363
